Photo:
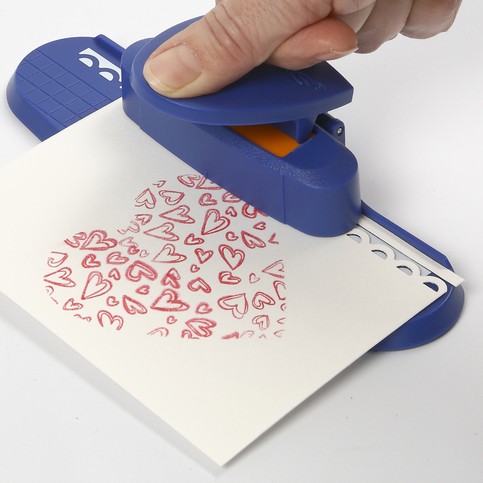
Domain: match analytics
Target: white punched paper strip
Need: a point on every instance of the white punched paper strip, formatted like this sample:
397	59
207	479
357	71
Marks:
410	251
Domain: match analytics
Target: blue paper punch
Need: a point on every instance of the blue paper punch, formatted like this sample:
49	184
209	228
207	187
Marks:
268	138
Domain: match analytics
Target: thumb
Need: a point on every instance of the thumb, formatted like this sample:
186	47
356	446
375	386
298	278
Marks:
226	43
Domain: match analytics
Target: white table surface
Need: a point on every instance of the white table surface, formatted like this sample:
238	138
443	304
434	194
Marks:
415	125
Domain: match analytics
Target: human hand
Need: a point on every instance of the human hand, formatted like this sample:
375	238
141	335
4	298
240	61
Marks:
237	35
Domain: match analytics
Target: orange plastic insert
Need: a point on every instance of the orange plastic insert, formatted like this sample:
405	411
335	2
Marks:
268	137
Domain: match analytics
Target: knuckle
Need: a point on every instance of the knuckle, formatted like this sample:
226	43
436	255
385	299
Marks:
229	41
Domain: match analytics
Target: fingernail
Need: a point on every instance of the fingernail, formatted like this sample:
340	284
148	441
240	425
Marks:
345	52
173	69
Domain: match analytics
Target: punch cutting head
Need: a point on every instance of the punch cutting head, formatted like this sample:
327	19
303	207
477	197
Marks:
266	138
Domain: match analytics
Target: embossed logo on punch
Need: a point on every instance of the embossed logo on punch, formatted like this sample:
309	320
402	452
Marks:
306	81
106	68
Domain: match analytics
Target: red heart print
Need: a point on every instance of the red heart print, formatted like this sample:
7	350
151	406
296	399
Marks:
95	286
263	321
260	299
112	301
171	197
207	184
203	308
138	270
144	218
115	258
98	241
71	305
273	239
169	255
79	316
279	333
232	257
276	269
261	225
114	274
133	306
228	278
179	214
143	290
163	232
133	228
160	183
194	268
76	240
250	211
191	239
230	198
187	334
230	236
104	318
171	319
203	255
171	278
146	199
128	242
201	327
251	241
90	261
162	331
133	250
56	259
60	277
199	284
253	278
233	335
236	303
279	287
189	180
169	301
230	211
206	199
214	222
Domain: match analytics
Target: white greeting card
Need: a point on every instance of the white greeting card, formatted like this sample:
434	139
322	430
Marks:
216	317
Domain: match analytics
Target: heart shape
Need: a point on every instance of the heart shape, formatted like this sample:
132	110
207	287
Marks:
138	269
171	197
228	278
95	286
199	284
214	222
171	278
260	299
133	306
104	318
179	214
232	257
201	327
98	241
90	261
169	301
168	254
163	232
115	258
60	277
146	199
237	304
